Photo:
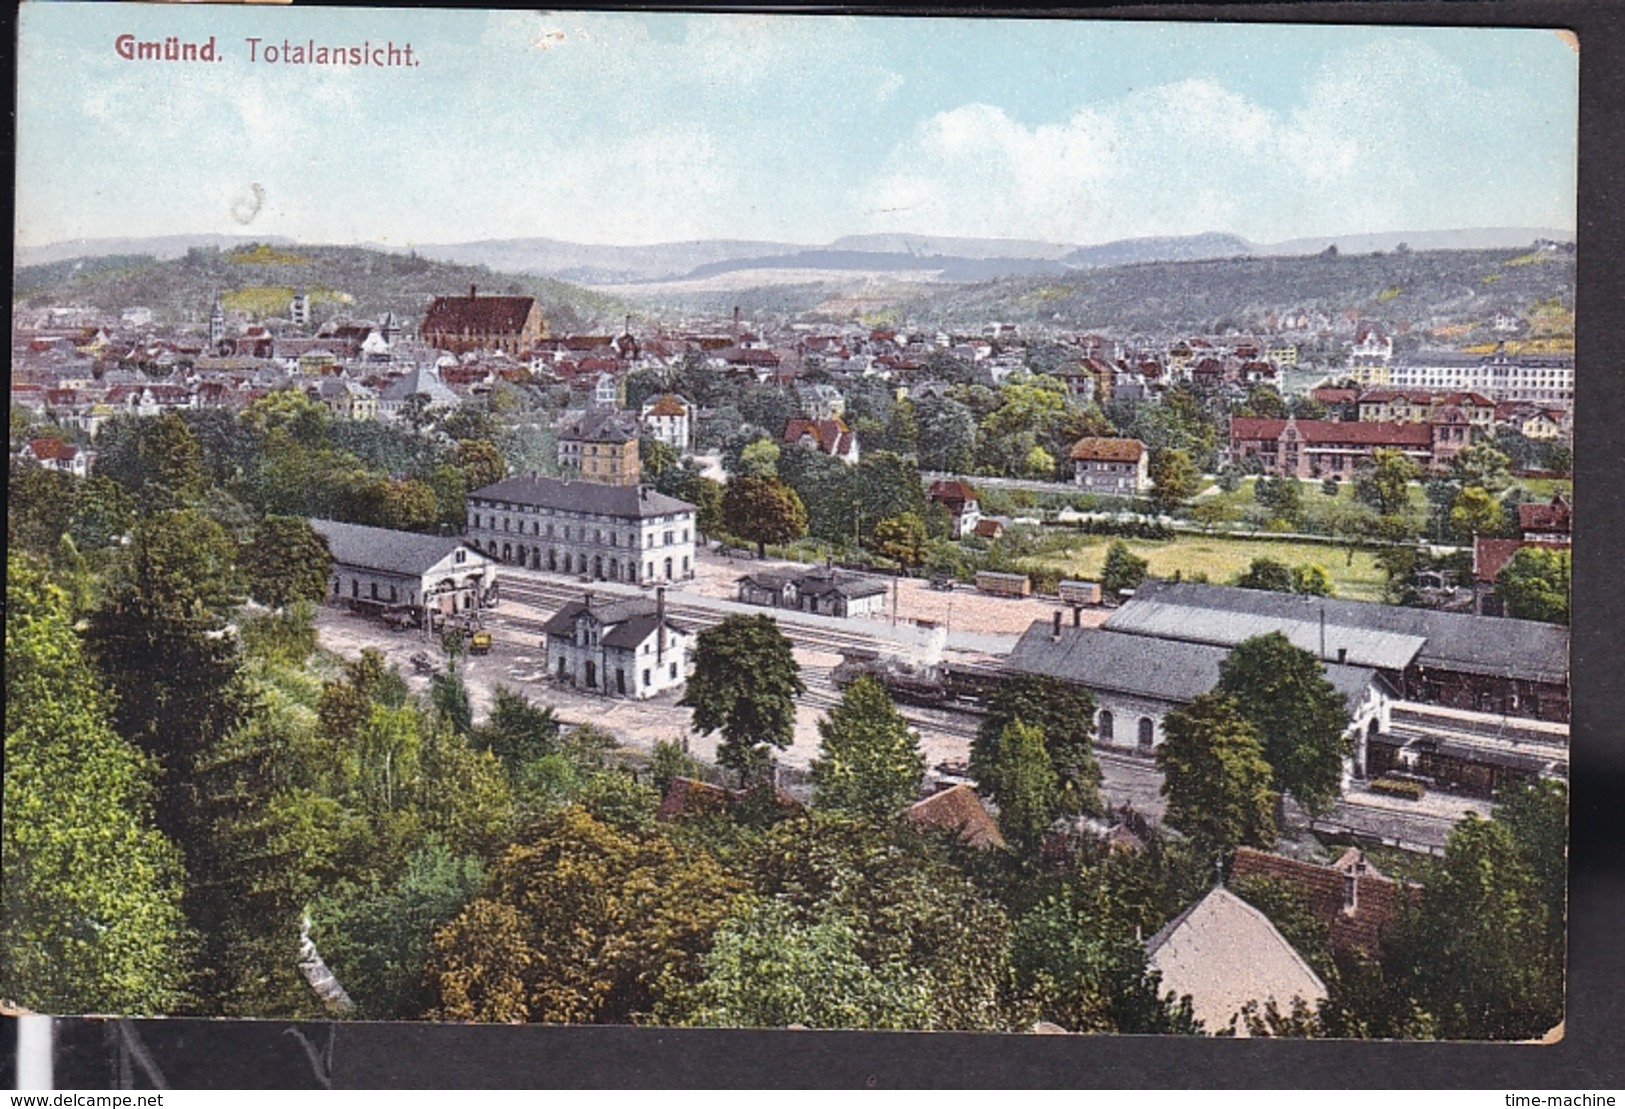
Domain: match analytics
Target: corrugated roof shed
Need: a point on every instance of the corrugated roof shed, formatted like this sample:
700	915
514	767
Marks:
1450	640
1165	669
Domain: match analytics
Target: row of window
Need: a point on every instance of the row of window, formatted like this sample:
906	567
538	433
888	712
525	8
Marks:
1147	729
667	538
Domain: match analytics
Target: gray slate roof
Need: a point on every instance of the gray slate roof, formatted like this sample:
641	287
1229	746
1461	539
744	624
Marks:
1147	666
630	621
1374	633
394	552
627	501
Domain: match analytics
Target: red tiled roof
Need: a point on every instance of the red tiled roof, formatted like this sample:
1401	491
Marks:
951	491
1370	434
957	809
1360	926
1107	450
668	405
690	797
1490	556
832	436
478	315
51	449
1556	516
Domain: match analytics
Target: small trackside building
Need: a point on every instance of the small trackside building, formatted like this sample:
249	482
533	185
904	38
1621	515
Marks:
374	568
617	646
606	532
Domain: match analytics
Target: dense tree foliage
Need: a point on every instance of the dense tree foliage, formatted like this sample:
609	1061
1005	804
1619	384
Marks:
763	510
1534	585
869	763
93	920
1302	719
1064	715
580	923
745	684
1215	776
1122	569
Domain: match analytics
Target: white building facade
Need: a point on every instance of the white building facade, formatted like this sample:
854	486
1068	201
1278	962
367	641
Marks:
620	647
605	532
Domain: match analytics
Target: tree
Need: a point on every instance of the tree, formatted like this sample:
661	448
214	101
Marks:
657	456
745	684
1481	465
1268	574
516	731
767	969
763	510
1471	960
1064	714
1079	957
902	538
1283	692
1281	498
706	497
1122	569
1028	789
1474	512
1174	478
1534	585
480	462
869	762
286	561
1536	815
1384	484
580	923
1312	580
759	458
907	905
93	920
171	461
1215	776
376	936
947	434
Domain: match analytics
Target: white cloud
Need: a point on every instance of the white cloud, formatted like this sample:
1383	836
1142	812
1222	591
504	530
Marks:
1390	137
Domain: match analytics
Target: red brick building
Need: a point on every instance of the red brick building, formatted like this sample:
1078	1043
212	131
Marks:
1336	448
461	324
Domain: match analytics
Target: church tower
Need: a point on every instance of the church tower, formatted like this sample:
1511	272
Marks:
217	323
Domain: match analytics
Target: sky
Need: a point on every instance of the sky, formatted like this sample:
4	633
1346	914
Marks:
628	128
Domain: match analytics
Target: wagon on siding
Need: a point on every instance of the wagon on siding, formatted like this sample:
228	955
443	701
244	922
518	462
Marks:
1004	585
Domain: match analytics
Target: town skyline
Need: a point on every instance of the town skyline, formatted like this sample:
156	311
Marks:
636	129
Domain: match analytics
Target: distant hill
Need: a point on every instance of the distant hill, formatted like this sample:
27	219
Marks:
1161	249
1413	289
888	254
261	278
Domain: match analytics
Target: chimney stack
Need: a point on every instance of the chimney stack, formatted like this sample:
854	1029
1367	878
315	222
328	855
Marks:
1342	654
1077	616
472	289
1056	634
737	328
589	600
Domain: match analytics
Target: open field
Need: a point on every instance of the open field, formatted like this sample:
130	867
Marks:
1223	559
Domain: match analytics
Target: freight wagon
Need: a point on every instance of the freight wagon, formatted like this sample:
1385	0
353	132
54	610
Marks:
1004	585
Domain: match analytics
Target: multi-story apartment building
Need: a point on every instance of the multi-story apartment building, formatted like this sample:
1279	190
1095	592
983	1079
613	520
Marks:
1544	378
602	445
1115	467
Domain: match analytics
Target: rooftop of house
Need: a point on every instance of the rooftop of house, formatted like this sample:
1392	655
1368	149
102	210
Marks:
1107	450
1354	433
1224	953
957	810
1356	914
